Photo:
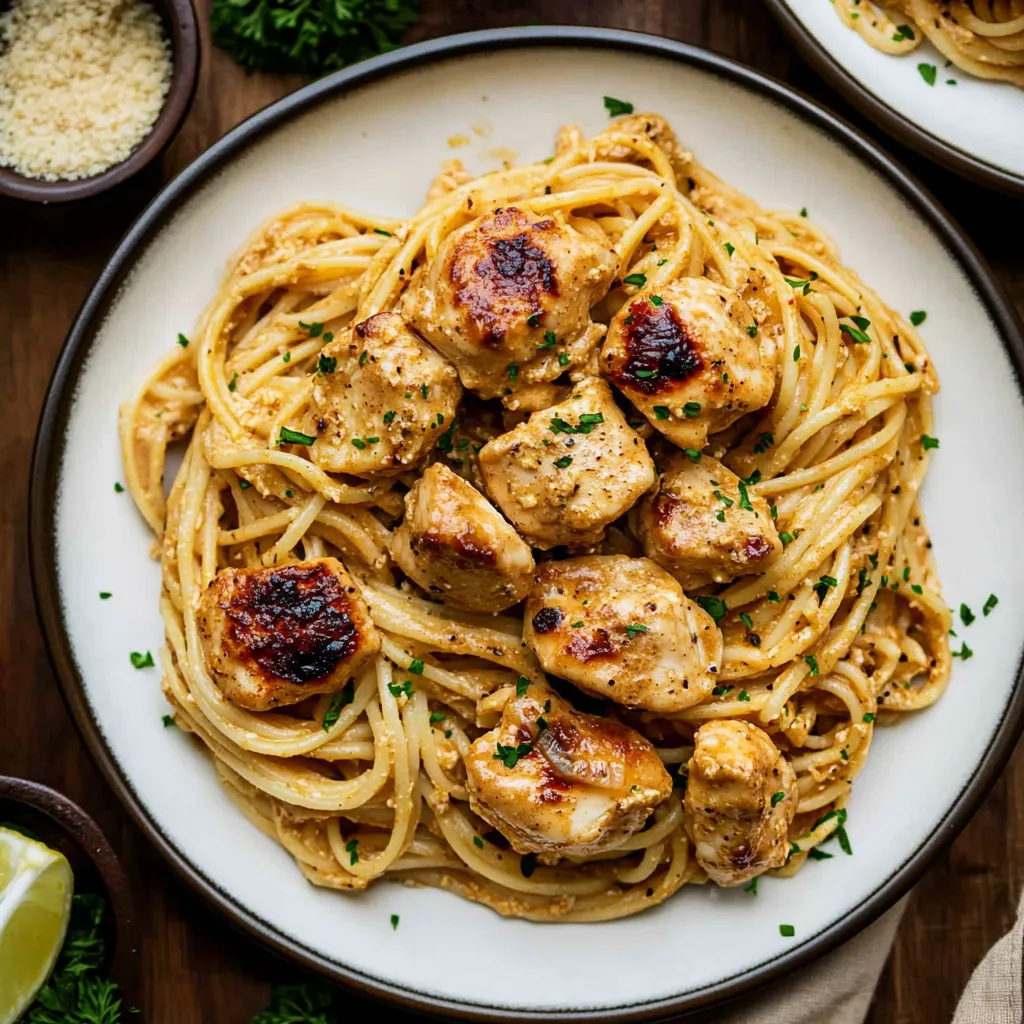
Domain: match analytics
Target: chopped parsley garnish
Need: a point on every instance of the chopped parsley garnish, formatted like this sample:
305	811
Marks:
381	231
721	691
821	587
965	652
916	588
927	443
691	409
416	666
812	661
638	279
105	595
764	441
990	604
577	625
927	72
817	854
903	32
727	502
389	417
394	922
513	372
533	320
119	488
445	440
662	412
351	847
289	436
244	485
644	374
142	660
868	717
751	887
692	453
752	330
616	107
563	462
478	842
437	716
656	300
168	721
182	340
286	358
746	620
730	248
362	359
521	684
744	696
802	285
397	689
549	340
509	756
787	931
856	333
744	498
796	354
563	359
773	597
233	383
720	516
340	700
918	317
635	629
314	329
359	443
786	538
803	211
588	421
424	390
714	606
328	364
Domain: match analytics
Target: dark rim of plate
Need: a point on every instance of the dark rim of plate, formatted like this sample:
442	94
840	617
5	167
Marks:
899	127
50	441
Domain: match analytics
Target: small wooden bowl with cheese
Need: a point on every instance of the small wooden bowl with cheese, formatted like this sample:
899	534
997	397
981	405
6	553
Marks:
90	91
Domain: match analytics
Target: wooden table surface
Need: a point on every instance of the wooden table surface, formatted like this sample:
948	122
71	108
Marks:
195	967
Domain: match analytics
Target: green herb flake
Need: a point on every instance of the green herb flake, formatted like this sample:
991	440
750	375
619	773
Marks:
616	108
416	666
118	488
787	931
533	320
398	689
636	279
437	716
339	700
656	300
286	358
662	412
105	595
856	333
521	685
513	372
233	383
744	497
730	248
813	663
692	454
635	629
169	722
714	606
721	691
918	317
289	436
140	660
869	717
796	354
394	922
381	231
990	603
314	329
928	443
359	443
478	842
509	756
752	330
352	848
744	696
927	72
549	340
389	417
773	597
691	410
564	462
182	340
563	359
964	653
751	887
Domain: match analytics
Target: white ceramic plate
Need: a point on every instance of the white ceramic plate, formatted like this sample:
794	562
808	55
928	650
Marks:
975	128
373	137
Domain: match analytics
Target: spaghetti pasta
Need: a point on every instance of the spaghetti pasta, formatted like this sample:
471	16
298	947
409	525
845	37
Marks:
985	38
844	623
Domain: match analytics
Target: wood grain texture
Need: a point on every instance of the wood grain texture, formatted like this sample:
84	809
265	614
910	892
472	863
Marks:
196	968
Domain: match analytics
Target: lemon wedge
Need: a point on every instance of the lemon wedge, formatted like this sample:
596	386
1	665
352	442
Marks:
35	905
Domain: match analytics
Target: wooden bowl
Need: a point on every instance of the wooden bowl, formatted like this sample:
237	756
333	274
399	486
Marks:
64	826
180	25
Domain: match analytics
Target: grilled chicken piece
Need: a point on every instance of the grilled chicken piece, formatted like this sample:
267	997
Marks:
570	470
622	628
507	299
739	803
381	399
277	636
687	362
455	544
698	526
552	779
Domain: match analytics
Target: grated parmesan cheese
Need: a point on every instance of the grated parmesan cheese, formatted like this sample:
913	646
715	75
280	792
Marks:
81	84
